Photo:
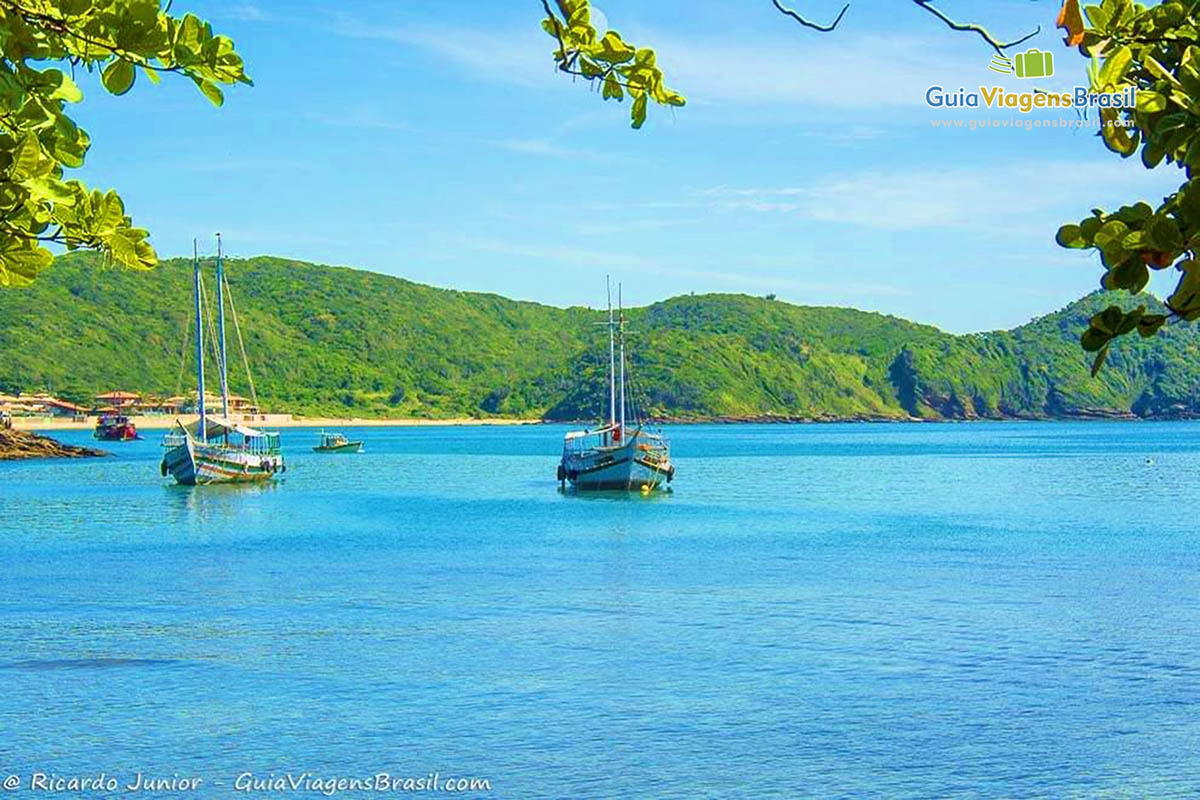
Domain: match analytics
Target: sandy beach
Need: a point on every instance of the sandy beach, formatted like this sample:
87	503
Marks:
272	421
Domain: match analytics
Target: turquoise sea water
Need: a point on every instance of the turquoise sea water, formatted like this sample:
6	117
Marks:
974	610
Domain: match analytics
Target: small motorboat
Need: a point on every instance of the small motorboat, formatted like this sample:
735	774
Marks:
336	443
115	428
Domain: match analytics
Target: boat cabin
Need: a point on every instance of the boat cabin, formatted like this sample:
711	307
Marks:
333	440
228	433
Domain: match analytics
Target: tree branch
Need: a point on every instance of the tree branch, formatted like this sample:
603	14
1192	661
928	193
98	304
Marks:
59	26
808	23
995	44
992	41
562	46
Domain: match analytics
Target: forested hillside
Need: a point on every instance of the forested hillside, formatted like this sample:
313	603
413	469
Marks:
348	342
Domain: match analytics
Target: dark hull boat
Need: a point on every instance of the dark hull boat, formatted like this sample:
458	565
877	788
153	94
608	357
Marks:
115	429
336	443
643	461
616	455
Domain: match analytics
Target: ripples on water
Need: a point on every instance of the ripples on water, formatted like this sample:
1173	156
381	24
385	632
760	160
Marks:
855	610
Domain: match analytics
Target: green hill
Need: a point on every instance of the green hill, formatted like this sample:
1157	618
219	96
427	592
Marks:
346	342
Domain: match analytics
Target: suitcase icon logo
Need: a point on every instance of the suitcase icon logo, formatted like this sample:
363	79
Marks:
1034	63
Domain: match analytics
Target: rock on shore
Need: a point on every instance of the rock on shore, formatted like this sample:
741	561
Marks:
22	444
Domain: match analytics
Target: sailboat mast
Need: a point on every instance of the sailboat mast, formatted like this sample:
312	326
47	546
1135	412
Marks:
612	360
621	317
199	342
221	330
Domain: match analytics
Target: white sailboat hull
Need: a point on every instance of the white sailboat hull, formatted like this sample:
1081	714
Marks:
193	463
203	453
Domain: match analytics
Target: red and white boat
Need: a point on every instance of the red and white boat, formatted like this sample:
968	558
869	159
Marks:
115	428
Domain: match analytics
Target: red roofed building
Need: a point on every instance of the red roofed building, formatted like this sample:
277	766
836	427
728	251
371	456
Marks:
119	400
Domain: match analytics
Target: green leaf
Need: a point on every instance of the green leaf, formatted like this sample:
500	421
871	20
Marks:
1108	320
1118	138
1109	231
1149	324
1152	154
1185	300
28	161
1070	236
64	88
1098	363
1163	234
1130	321
21	260
1149	102
1093	339
1097	16
644	57
118	77
1132	275
638	111
1171	122
1115	66
212	92
614	50
589	68
612	88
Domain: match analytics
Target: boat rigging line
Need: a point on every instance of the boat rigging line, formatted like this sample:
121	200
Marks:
237	329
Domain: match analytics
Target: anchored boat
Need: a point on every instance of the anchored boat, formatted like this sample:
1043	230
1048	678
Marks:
216	449
115	428
224	452
615	456
336	443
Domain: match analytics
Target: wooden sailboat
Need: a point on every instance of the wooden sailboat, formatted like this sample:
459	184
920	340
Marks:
216	449
615	456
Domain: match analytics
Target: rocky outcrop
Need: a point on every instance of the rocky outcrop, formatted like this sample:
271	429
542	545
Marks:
16	445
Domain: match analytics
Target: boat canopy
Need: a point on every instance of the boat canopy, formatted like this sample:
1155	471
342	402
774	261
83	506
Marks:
219	426
593	432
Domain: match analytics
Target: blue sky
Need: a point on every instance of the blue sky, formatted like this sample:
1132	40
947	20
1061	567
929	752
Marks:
434	141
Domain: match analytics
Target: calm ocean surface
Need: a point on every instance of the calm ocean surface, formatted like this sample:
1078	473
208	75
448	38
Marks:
976	610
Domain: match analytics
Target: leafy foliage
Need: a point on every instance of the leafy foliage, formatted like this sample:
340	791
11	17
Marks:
613	64
1155	50
339	341
119	39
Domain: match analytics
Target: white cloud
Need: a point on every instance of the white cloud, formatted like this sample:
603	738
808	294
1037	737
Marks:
842	71
1000	198
609	258
547	148
828	71
359	118
247	12
579	256
520	57
243	165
